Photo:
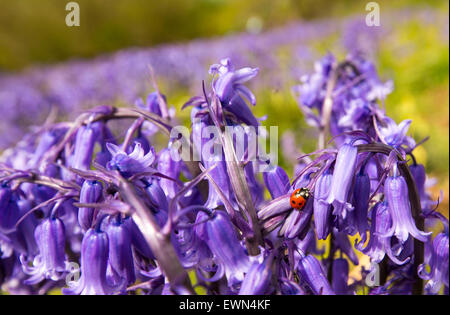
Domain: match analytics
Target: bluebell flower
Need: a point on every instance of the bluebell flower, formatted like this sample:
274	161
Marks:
169	167
151	103
297	221
288	287
439	265
84	147
343	175
157	196
231	92
380	241
340	271
220	177
91	192
51	262
312	89
120	254
6	247
27	227
230	254
258	278
137	239
396	192
322	209
395	135
9	211
361	194
342	243
46	141
94	264
276	181
311	272
130	164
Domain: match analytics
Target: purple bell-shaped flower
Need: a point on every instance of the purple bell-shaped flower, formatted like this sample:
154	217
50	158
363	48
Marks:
51	261
120	254
344	172
322	209
257	280
439	265
396	192
231	92
130	164
311	272
94	264
91	191
222	240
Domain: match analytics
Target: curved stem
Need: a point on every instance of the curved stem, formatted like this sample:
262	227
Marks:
160	244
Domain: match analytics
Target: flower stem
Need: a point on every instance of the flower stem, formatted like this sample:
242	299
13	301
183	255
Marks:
160	244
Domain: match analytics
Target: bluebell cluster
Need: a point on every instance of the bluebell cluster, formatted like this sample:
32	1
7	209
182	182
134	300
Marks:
90	210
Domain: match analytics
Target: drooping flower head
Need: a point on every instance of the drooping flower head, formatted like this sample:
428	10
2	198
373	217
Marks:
396	192
439	264
311	272
91	191
230	254
231	92
51	262
94	264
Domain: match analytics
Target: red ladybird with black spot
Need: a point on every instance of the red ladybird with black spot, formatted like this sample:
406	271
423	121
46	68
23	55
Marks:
299	198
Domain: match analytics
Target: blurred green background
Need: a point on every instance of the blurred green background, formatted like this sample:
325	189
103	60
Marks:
32	32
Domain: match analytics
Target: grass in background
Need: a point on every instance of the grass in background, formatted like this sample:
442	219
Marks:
34	31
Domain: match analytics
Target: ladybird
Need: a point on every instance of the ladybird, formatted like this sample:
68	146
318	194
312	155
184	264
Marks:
299	198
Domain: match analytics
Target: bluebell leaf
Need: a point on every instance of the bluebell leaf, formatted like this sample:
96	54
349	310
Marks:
311	272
